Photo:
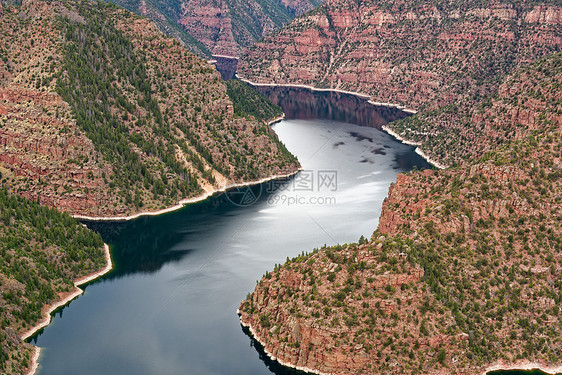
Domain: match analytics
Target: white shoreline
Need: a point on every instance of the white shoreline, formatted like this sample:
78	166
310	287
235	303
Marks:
524	365
312	88
47	316
521	365
182	203
272	357
276	119
418	150
398	137
226	57
384	127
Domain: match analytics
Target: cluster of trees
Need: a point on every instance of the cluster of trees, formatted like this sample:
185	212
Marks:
108	86
41	251
248	102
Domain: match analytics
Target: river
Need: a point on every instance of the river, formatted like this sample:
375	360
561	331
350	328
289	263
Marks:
169	306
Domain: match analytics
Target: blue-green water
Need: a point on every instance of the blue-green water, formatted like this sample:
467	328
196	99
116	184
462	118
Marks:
169	306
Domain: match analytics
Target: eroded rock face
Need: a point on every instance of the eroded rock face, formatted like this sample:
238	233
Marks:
406	53
225	27
219	27
420	55
463	272
49	152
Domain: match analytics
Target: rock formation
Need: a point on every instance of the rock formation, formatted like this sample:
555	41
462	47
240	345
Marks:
463	273
427	56
136	126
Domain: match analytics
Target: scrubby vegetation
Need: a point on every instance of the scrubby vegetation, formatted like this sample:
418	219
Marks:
204	31
472	126
440	58
41	251
463	271
106	116
110	91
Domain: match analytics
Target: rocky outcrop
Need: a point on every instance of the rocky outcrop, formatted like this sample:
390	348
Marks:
225	27
170	144
463	274
425	56
219	27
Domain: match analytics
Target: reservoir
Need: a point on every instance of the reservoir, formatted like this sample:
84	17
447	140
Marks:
169	306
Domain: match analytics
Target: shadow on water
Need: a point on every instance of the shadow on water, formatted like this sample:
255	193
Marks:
305	104
271	365
147	244
226	67
150	241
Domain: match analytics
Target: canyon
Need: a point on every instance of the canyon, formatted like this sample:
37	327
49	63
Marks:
462	274
437	58
77	137
213	27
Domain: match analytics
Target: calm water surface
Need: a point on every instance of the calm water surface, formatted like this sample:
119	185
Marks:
169	307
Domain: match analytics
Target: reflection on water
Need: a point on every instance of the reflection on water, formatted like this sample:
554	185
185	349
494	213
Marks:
169	306
226	67
137	245
517	372
271	365
304	104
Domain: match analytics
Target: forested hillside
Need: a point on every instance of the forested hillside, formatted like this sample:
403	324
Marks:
218	27
103	115
248	102
443	56
41	252
464	271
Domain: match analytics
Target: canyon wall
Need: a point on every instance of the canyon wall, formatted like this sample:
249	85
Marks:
426	56
462	274
135	126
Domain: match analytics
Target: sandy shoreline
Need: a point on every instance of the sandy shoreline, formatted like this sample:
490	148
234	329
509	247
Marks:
398	137
418	150
187	201
109	264
50	308
312	88
276	120
226	57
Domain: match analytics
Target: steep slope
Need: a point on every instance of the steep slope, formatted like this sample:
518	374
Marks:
463	273
216	26
225	27
248	102
165	14
423	55
42	251
103	115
